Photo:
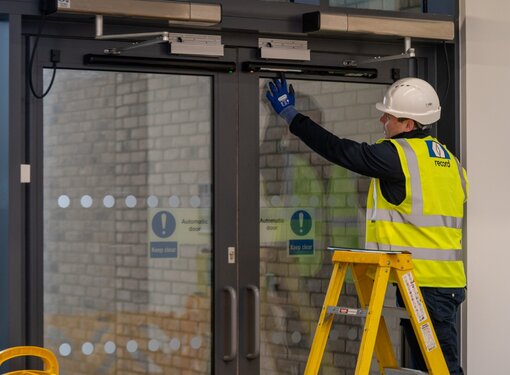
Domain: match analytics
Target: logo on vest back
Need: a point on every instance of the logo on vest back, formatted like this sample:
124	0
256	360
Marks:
438	151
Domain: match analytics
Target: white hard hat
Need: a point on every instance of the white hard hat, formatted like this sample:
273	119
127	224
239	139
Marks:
412	98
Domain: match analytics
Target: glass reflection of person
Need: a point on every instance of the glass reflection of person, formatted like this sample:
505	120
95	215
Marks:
289	182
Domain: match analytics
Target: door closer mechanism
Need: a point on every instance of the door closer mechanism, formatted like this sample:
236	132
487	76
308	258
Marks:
408	53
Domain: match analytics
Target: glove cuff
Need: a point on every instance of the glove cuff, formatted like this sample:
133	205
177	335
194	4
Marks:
288	114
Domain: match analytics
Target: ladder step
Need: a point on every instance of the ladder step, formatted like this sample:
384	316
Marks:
341	310
365	251
403	371
362	313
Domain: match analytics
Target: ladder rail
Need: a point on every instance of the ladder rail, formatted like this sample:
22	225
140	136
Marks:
421	322
383	347
326	320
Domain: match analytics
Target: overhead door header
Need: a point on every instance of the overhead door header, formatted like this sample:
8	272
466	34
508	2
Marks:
331	23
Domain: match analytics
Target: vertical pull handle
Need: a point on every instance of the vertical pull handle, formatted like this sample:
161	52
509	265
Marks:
253	321
230	337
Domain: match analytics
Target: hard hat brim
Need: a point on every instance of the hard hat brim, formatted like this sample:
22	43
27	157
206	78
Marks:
425	118
381	107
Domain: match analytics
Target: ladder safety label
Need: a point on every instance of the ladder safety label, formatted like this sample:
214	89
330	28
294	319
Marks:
428	337
414	296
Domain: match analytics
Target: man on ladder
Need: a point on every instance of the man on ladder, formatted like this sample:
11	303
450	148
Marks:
416	196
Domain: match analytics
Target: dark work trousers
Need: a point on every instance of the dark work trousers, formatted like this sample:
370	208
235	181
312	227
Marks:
442	305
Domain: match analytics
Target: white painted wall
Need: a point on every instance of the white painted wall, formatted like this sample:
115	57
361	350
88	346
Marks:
486	123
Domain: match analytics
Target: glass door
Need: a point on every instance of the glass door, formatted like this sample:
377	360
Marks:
304	205
133	213
128	234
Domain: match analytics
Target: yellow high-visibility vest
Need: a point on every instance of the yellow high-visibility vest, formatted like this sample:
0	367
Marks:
428	222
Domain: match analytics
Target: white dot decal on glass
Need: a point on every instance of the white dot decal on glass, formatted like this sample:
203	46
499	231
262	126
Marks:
152	201
87	348
110	347
109	201
64	201
153	345
130	201
64	349
277	338
294	201
86	201
276	200
175	344
314	201
196	342
194	201
132	346
174	201
295	337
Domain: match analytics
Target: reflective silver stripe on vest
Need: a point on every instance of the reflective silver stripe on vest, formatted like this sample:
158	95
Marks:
373	212
414	174
418	220
422	254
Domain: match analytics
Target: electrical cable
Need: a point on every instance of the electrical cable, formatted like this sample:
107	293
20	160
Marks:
447	72
31	63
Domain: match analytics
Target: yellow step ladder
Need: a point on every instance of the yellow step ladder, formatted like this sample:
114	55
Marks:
398	267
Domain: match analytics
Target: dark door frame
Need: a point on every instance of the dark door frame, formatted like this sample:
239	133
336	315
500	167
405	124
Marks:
239	214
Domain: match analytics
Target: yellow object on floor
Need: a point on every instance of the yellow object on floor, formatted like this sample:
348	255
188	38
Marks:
371	293
48	358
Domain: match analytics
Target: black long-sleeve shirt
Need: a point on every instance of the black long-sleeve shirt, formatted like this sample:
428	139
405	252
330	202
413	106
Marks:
379	160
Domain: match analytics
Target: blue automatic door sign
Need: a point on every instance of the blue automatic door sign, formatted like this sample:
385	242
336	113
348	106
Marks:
163	224
301	222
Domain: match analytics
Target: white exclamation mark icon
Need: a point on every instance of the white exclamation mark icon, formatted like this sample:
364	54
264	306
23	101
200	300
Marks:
301	220
163	224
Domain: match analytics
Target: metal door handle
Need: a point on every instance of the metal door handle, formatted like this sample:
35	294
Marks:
231	337
254	322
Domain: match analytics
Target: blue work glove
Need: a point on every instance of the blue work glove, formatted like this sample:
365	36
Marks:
282	99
